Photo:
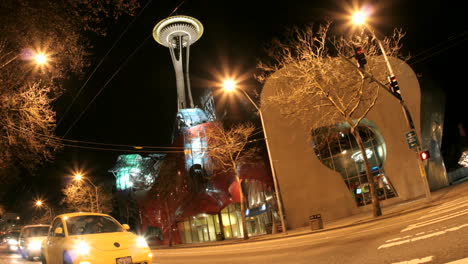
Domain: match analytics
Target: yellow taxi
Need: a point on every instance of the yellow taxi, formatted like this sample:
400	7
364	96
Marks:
93	238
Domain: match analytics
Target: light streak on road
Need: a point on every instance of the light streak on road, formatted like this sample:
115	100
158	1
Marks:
417	238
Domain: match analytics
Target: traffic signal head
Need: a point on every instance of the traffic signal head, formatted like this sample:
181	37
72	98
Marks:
360	56
424	155
394	86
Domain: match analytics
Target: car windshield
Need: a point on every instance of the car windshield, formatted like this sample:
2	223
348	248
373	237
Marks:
92	224
37	231
14	235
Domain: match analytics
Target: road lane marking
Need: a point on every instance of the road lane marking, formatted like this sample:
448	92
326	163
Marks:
439	233
445	209
451	203
416	261
435	220
398	238
460	261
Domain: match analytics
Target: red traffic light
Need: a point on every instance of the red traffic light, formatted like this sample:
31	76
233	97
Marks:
424	155
360	56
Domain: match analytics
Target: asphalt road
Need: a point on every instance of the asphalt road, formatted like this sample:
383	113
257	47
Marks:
437	234
8	257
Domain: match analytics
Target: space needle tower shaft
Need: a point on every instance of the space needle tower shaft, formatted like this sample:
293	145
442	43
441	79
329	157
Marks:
178	33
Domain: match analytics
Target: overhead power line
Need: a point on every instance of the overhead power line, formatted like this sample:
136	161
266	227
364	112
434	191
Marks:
71	141
110	146
104	86
98	65
115	73
439	48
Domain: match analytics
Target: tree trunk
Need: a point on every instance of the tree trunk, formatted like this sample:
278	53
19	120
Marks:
169	221
221	225
242	205
370	178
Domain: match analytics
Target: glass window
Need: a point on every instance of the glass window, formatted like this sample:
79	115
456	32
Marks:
37	231
92	224
337	149
57	223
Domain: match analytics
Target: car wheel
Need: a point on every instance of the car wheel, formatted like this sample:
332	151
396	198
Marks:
43	260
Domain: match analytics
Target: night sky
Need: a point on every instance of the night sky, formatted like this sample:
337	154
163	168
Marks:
130	99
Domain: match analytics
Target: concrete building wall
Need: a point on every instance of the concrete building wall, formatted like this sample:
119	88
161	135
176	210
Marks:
309	187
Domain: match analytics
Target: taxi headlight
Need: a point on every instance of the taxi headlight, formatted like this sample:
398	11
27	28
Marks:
141	242
34	245
82	248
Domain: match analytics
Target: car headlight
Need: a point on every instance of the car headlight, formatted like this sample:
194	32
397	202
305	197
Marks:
34	245
82	248
12	241
141	242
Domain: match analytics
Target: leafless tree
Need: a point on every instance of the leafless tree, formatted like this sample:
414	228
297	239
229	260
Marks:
81	197
168	188
318	78
43	215
227	148
62	29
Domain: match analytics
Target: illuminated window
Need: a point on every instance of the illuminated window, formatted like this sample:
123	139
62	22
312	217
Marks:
337	149
135	171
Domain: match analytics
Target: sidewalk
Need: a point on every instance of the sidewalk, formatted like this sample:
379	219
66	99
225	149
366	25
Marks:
460	188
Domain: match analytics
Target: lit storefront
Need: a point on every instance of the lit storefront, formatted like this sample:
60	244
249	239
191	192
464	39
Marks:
228	223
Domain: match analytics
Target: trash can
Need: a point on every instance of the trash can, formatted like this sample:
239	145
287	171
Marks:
315	222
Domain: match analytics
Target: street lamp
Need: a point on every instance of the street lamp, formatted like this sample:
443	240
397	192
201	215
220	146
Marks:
230	85
359	18
40	204
39	58
79	177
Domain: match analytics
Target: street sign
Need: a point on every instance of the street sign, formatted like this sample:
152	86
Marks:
412	139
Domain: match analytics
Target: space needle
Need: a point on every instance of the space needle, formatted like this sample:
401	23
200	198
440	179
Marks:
178	33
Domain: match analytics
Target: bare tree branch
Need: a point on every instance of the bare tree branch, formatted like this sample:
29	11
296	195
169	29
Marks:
314	78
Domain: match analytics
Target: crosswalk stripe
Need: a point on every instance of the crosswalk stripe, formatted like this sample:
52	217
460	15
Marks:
416	261
450	204
456	228
460	261
435	220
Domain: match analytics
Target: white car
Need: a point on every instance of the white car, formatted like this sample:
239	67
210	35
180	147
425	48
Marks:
11	239
30	240
93	238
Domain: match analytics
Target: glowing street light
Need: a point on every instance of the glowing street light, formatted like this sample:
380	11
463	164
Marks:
39	58
230	85
359	18
79	177
40	204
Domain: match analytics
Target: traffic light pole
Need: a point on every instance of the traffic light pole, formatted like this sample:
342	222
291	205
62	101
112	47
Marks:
273	172
406	113
396	92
